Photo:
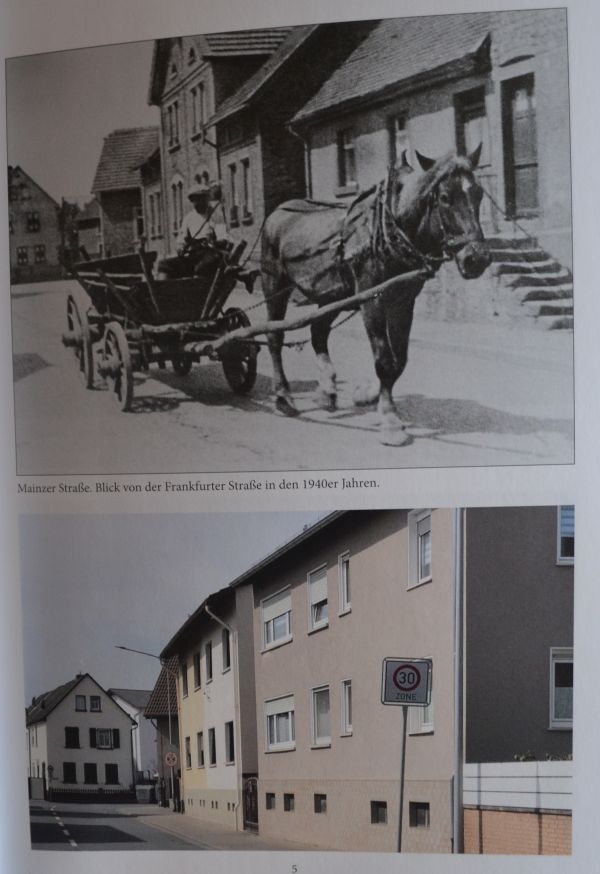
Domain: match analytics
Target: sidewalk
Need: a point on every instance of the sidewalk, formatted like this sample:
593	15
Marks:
212	836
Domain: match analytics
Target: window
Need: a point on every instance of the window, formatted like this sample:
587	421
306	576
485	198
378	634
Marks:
379	812
346	158
344	578
270	800
279	715
197	675
111	774
419	547
566	534
317	594
276	618
39	253
138	223
69	772
72	737
192	56
173	124
188	752
32	220
105	738
399	140
288	801
90	772
247	205
95	703
208	658
22	255
418	814
229	744
177	203
347	707
320	803
561	687
200	748
80	702
184	679
321	721
471	124
11	227
233	195
212	747
225	642
198	108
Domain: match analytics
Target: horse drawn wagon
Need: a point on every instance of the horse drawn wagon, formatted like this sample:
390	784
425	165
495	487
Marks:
127	320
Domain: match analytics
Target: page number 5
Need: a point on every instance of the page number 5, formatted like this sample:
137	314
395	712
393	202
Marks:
294	869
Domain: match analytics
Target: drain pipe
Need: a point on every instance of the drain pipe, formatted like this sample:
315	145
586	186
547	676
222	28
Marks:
457	783
236	699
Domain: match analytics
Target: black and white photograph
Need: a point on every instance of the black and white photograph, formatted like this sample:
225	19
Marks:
342	245
384	681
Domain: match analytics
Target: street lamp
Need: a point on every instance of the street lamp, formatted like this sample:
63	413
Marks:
170	673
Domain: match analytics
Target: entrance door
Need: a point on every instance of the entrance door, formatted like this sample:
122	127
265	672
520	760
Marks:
251	804
520	147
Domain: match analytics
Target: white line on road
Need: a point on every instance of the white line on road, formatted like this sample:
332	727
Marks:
72	842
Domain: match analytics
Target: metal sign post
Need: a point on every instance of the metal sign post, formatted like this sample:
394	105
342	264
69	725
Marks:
405	683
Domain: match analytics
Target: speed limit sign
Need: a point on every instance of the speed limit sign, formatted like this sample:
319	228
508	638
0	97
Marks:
171	759
406	682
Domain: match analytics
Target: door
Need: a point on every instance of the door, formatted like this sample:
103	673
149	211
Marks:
520	147
251	804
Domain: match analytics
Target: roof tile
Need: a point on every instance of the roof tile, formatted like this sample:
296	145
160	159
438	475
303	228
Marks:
123	152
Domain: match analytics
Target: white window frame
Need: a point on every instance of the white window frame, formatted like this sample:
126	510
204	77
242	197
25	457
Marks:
313	623
344	581
78	699
95	699
346	707
283	705
558	655
560	558
415	577
226	649
229	740
269	623
319	740
200	748
108	744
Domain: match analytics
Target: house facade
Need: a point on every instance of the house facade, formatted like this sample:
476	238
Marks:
191	76
216	706
35	237
161	712
435	84
80	741
143	735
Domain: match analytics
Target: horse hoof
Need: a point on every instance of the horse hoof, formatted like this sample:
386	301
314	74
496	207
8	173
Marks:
328	401
286	407
393	436
365	397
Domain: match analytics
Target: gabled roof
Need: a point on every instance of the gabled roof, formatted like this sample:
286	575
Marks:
253	86
196	620
16	170
123	152
214	46
138	698
158	702
42	705
398	52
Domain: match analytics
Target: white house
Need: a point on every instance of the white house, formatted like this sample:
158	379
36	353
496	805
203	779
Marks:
143	735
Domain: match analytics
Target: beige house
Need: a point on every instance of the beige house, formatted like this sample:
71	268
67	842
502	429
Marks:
216	707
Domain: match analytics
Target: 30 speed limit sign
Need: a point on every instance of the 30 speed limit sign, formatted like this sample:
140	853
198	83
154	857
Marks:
406	681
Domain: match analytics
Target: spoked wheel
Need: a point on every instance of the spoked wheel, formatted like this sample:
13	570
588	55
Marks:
239	357
78	332
181	366
116	365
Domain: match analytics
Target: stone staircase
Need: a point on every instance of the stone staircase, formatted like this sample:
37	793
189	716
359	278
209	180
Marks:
533	279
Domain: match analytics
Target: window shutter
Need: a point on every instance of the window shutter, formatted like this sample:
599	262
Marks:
116	738
318	586
93	737
277	605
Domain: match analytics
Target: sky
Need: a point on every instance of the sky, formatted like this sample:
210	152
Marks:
90	582
61	105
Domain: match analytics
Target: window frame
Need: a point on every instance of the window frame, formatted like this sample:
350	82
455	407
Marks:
345	594
347	174
320	802
69	765
93	708
280	745
313	623
567	560
226	649
212	748
270	801
346	706
200	749
116	774
415	810
188	752
559	655
229	742
414	519
317	739
377	808
286	638
197	670
78	700
208	661
183	669
289	802
72	739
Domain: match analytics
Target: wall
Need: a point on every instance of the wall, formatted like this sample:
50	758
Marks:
502	832
386	619
35	200
117	210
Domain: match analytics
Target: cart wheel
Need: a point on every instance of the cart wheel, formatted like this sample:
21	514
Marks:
239	358
78	326
117	365
181	366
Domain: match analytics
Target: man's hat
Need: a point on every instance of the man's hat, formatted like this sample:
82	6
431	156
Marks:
198	191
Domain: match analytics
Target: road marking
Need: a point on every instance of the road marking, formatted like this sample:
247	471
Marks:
65	832
72	842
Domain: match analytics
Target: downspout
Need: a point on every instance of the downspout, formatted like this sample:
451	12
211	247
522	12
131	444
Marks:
457	783
236	707
133	769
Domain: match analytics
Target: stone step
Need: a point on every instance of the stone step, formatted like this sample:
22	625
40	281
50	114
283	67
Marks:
548	265
555	323
524	256
545	294
537	309
511	242
533	280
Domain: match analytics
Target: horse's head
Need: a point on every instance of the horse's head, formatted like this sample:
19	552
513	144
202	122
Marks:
447	198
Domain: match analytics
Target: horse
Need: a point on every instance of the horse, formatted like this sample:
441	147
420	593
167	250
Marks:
407	222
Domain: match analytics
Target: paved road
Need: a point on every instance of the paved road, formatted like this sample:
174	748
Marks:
475	392
97	827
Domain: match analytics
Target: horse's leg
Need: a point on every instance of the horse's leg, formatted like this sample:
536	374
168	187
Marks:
277	300
319	332
388	321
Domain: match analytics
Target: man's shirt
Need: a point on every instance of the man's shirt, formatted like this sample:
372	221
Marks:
198	227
